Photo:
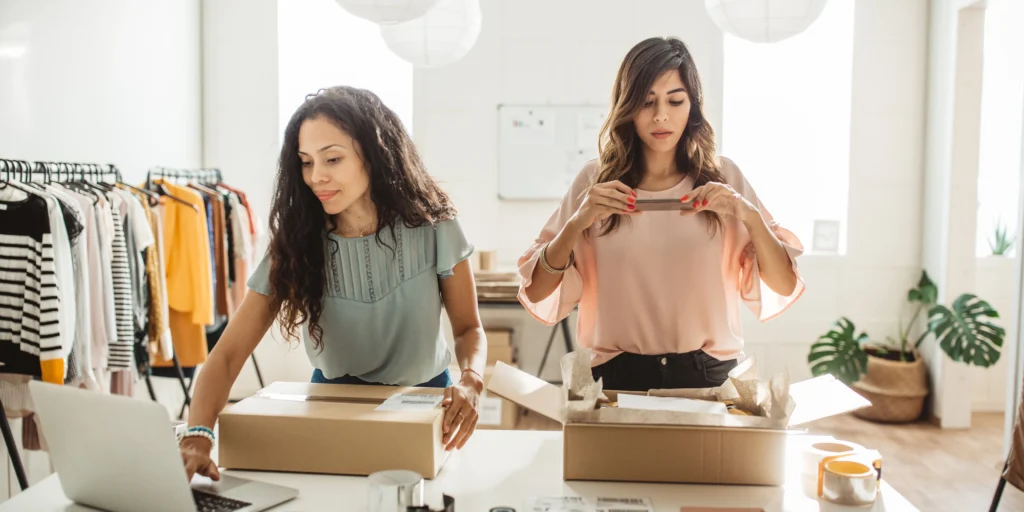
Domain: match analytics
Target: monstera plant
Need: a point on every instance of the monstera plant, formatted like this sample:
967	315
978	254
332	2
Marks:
963	331
892	375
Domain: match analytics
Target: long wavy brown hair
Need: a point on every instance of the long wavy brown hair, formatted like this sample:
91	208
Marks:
400	188
621	148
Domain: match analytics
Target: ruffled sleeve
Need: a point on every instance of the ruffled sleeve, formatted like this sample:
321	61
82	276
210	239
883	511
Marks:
764	302
259	281
569	291
452	247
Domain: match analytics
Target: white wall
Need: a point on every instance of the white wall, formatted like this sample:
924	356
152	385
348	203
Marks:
570	55
322	45
106	81
951	177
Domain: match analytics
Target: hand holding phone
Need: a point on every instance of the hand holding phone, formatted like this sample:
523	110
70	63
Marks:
664	204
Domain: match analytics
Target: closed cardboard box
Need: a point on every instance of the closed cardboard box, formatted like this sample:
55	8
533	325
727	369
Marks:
605	442
499	346
335	429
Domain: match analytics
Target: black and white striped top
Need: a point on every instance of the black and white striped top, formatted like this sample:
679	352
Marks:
29	300
121	353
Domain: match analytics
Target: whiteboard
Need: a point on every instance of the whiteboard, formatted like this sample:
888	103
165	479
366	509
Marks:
541	148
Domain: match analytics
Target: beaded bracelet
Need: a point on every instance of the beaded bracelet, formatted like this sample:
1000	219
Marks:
198	432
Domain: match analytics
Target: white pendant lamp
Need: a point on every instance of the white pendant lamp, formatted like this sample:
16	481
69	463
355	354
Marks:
440	37
764	21
387	11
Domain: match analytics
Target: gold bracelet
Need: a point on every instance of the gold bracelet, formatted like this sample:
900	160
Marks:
547	266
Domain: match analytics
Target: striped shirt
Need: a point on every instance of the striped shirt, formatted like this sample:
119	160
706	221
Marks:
122	351
30	341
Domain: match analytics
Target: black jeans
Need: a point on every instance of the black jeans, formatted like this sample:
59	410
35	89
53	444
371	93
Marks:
635	372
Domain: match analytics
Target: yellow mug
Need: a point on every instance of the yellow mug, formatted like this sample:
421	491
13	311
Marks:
851	478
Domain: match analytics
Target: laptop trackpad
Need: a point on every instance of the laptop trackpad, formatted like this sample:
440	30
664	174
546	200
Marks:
226	483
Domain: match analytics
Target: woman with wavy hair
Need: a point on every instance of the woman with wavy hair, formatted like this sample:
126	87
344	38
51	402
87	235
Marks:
364	249
659	291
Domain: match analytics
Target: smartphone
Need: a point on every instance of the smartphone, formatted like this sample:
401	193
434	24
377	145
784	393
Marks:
662	204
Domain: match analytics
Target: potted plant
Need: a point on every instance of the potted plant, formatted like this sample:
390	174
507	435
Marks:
1002	243
892	375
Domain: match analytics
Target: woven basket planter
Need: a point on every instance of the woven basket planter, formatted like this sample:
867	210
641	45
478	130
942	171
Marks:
896	390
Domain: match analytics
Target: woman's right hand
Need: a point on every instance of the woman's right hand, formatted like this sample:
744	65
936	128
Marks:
195	453
604	200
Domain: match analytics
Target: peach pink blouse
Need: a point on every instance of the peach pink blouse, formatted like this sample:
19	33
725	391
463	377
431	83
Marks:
660	284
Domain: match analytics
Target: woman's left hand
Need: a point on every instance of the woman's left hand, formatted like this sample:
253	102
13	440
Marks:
721	199
462	402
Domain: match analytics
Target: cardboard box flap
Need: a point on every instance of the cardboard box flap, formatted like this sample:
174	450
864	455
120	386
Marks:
526	390
823	397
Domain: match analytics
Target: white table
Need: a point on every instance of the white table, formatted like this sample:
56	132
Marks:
505	468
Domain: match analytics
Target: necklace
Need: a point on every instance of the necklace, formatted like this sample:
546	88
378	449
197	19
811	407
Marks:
361	233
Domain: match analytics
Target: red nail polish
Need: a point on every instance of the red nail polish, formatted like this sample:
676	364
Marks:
684	198
632	207
631	199
705	203
632	193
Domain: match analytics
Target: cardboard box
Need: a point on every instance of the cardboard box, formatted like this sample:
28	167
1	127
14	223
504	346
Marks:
496	413
499	346
331	428
604	442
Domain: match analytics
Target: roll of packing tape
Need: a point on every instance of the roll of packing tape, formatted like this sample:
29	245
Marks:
812	456
395	491
849	482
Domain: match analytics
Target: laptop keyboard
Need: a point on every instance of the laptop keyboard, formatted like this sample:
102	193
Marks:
206	502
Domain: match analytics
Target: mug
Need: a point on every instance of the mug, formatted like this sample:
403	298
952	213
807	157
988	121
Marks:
851	478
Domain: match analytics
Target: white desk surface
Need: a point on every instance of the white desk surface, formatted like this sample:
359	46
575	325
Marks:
506	468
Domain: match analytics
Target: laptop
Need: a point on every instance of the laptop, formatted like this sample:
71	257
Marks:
119	454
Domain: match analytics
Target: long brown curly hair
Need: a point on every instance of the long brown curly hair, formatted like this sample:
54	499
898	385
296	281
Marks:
621	148
400	188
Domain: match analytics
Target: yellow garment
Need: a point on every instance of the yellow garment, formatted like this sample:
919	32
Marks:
189	279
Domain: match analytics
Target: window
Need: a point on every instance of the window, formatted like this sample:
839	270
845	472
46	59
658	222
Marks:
322	45
1002	117
786	123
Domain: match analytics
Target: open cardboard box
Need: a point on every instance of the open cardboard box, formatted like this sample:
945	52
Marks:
605	442
331	428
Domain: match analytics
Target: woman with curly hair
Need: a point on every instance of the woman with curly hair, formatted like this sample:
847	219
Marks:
365	247
658	291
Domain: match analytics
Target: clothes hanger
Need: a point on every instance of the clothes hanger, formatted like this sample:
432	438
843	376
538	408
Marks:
162	189
6	176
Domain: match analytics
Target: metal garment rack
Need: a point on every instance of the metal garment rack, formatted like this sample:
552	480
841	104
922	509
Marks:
203	176
22	171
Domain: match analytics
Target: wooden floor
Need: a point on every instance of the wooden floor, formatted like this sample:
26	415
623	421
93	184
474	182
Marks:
937	470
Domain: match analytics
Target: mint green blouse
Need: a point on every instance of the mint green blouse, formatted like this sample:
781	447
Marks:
382	309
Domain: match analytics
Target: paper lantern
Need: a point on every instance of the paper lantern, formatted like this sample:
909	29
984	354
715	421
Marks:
387	11
440	37
764	21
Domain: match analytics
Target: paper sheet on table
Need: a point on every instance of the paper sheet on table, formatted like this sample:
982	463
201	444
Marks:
410	402
584	504
658	403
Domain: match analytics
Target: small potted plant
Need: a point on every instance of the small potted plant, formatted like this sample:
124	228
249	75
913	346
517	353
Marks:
892	375
1002	243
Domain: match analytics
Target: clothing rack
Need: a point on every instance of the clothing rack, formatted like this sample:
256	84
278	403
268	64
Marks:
23	171
203	176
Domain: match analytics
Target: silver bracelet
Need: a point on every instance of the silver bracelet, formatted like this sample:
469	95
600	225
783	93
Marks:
547	266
